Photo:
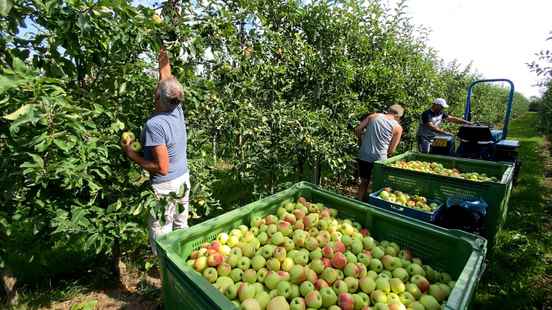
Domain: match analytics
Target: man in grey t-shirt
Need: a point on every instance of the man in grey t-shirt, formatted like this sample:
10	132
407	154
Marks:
164	139
379	140
430	122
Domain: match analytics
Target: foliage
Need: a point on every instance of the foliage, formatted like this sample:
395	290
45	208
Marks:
273	91
542	66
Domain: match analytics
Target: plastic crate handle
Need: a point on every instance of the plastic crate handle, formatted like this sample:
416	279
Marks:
396	207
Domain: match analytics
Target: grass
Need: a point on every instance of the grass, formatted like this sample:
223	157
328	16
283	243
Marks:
519	269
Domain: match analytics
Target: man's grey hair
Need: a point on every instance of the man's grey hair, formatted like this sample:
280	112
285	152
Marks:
170	92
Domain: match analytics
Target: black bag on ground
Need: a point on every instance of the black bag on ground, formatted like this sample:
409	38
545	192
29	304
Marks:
467	214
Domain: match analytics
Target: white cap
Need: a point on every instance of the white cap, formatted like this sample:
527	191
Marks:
440	101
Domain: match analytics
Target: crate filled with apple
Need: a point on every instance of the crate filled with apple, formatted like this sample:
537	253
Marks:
439	169
305	257
416	206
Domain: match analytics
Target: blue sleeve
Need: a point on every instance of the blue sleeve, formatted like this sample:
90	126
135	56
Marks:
154	134
426	118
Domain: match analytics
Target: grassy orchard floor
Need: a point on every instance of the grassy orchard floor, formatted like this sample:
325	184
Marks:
519	271
518	274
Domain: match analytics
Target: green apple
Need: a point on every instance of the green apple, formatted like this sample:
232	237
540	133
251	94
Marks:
328	296
248	249
438	291
367	285
236	274
258	262
263	298
347	240
224	269
244	263
231	291
272	279
416	305
415	269
393	298
400	273
376	265
289	244
377	252
382	284
246	291
297	303
210	274
306	287
329	275
262	237
295	291
352	284
316	254
429	302
397	285
278	238
249	276
357	246
364	259
200	264
128	136
278	303
351	258
407	298
386	274
368	242
378	296
301	258
372	274
339	287
287	264
284	289
317	265
413	289
279	253
250	304
313	300
136	146
223	283
273	264
267	251
261	274
297	274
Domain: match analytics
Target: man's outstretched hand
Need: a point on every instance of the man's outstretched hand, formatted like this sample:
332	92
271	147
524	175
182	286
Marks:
164	65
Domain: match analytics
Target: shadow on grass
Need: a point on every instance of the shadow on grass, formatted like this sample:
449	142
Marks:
518	266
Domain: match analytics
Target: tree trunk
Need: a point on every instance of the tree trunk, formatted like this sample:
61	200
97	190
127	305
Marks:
8	282
316	173
117	265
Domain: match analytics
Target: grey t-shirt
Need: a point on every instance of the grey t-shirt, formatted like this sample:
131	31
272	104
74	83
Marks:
424	131
167	128
376	139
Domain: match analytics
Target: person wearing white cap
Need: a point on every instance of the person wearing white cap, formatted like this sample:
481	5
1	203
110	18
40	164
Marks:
430	122
379	140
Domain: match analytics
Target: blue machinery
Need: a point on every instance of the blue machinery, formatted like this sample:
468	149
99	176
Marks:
481	141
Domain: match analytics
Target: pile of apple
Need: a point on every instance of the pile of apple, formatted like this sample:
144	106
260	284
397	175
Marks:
410	201
306	258
437	168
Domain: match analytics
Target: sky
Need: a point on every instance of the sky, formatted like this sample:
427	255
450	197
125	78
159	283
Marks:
497	36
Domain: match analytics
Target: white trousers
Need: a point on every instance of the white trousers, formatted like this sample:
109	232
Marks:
171	218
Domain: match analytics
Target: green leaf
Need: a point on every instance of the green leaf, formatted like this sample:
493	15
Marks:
5	7
24	109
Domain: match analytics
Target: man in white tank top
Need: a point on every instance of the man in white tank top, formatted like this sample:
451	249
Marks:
379	140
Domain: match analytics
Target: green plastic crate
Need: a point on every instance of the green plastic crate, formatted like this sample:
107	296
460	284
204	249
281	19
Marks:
496	194
456	252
